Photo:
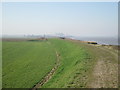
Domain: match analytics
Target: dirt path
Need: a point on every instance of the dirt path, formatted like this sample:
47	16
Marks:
50	74
105	73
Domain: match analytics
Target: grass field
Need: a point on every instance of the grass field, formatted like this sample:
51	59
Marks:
25	63
74	68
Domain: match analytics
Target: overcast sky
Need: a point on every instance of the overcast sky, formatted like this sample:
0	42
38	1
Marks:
71	18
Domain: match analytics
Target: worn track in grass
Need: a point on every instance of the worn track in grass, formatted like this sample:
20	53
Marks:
105	69
105	72
50	74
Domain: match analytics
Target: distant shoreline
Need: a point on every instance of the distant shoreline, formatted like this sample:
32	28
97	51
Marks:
115	47
100	40
28	38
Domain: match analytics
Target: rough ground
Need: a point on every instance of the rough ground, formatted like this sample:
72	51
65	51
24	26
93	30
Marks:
105	72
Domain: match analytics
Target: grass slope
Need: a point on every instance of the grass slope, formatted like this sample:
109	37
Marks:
75	65
25	63
105	71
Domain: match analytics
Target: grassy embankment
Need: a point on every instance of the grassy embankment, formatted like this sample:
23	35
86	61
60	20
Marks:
25	63
105	71
75	65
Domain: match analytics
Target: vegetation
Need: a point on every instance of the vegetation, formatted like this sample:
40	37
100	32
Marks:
75	65
25	63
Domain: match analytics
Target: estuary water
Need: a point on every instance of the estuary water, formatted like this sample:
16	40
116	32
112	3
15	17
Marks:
100	40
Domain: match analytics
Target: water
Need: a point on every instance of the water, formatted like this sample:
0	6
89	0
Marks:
100	40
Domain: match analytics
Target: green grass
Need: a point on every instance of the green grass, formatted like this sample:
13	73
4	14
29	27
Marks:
76	65
26	63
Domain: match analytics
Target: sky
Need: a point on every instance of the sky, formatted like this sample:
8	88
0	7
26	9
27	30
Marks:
86	19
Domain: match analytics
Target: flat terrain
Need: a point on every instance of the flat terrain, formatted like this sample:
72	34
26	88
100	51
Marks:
26	63
58	63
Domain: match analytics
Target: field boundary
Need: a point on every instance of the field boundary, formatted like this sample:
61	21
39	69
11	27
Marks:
50	74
